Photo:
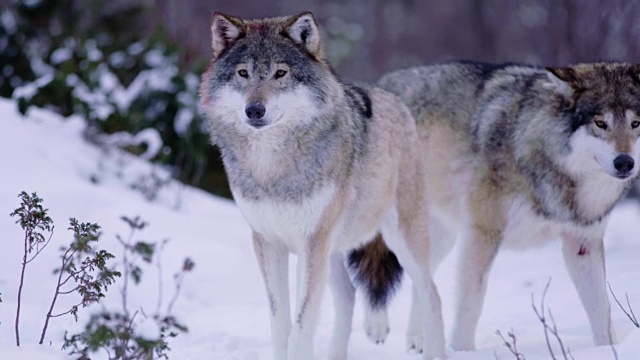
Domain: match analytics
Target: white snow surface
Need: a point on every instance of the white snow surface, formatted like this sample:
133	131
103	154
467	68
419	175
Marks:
223	301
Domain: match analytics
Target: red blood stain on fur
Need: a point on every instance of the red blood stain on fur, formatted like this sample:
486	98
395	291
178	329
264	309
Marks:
583	250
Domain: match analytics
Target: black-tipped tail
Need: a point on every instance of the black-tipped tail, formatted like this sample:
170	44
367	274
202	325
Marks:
377	270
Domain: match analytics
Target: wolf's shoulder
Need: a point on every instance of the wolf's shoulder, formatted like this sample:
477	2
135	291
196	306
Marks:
359	97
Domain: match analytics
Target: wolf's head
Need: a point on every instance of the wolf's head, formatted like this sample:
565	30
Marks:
265	72
601	102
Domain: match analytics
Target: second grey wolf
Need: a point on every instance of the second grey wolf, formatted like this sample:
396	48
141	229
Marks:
518	155
317	167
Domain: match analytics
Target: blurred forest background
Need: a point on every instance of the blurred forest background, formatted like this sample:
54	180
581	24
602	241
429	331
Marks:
132	65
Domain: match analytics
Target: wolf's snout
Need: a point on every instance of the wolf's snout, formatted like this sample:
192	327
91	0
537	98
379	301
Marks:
255	111
623	164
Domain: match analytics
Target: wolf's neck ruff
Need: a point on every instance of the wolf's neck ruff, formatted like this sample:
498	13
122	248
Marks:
258	168
558	196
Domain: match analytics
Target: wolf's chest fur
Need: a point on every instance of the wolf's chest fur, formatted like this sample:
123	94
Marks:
287	221
273	165
525	228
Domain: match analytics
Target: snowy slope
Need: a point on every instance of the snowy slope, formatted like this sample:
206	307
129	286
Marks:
222	300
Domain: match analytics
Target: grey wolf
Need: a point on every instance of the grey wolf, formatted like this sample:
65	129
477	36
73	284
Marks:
518	155
317	167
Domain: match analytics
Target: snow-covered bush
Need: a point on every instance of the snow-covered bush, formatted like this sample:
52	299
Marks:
120	81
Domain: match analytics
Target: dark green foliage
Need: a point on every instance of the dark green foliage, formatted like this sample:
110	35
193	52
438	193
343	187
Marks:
114	333
85	267
134	223
15	69
140	248
145	250
33	219
115	71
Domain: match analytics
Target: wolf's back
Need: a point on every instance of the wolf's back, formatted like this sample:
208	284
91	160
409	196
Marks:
443	91
453	91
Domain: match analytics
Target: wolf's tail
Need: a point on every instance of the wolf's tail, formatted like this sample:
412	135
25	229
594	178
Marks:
376	270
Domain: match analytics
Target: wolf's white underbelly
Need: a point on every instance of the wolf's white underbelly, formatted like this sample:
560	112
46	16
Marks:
287	222
524	228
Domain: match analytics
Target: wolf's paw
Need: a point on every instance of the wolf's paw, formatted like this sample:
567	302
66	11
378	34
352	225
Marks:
376	326
462	344
415	337
415	343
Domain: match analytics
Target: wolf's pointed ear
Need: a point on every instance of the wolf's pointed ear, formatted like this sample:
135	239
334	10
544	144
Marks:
563	80
225	30
303	29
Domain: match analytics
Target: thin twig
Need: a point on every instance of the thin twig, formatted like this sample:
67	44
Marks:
629	313
67	312
125	339
511	345
69	292
566	353
24	266
125	261
555	333
541	317
55	297
159	269
179	277
39	249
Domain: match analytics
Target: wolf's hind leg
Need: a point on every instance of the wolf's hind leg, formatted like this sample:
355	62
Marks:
273	261
441	241
585	262
344	294
406	233
415	333
376	322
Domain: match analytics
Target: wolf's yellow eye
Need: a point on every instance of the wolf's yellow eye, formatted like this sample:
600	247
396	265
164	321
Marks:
243	73
280	73
601	124
635	124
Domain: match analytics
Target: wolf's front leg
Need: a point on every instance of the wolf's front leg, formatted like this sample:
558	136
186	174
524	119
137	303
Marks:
478	251
313	261
585	261
344	294
273	260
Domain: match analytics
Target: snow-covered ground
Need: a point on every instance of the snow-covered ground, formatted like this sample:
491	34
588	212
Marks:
222	301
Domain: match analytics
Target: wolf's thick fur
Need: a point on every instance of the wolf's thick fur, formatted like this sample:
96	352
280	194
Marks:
519	155
317	167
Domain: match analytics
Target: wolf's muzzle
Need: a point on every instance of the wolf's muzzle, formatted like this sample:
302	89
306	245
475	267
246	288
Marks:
623	164
255	112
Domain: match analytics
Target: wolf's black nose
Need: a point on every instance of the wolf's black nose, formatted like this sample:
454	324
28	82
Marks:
255	111
623	163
